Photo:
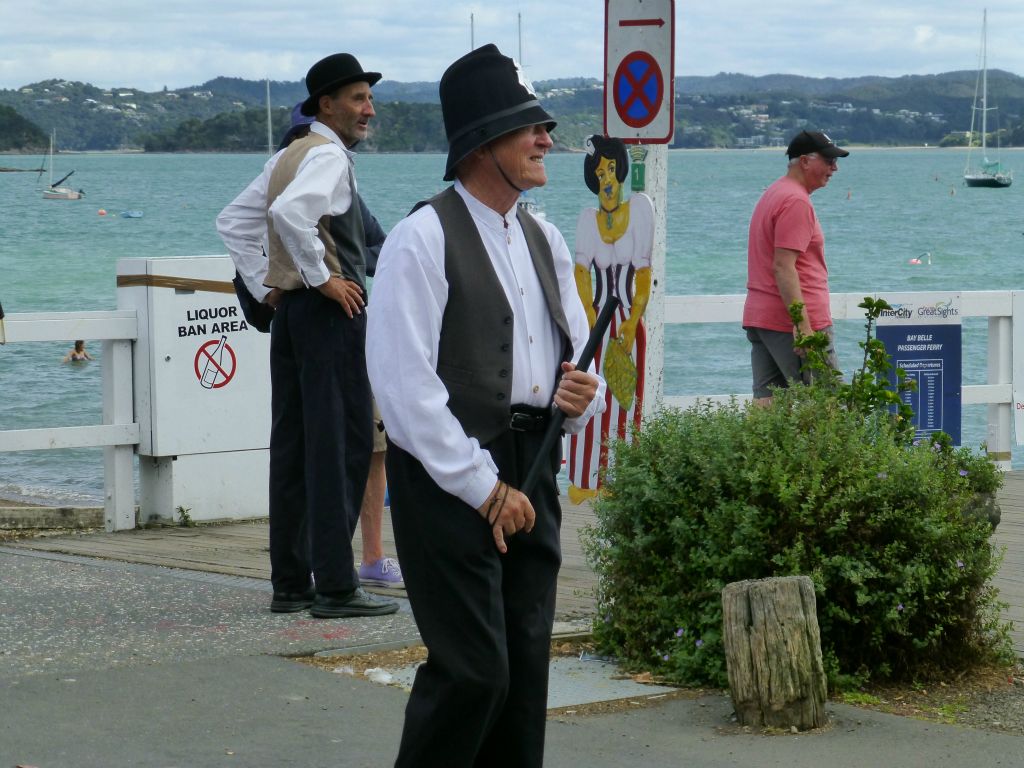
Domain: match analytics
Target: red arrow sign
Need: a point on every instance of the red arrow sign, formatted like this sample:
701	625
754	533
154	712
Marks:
641	22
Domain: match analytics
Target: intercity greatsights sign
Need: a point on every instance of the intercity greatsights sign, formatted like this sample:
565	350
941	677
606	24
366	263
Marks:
922	335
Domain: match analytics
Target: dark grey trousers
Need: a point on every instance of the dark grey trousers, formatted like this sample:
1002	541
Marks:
320	442
481	698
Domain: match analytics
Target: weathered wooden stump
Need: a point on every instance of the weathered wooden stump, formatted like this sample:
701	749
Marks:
773	653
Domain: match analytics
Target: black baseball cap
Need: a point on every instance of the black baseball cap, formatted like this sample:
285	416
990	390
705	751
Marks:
808	142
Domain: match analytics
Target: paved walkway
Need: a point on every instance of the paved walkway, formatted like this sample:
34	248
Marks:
240	549
155	648
107	664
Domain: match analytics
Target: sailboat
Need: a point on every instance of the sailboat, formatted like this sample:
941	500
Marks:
989	174
55	191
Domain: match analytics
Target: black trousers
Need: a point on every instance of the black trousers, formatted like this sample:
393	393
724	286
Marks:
485	618
320	442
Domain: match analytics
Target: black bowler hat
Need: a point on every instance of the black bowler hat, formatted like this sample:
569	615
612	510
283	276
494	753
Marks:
484	95
331	73
808	142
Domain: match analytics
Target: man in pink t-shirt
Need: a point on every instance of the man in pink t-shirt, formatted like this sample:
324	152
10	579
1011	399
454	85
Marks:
786	264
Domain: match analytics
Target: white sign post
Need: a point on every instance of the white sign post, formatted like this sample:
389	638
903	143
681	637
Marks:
639	87
1017	376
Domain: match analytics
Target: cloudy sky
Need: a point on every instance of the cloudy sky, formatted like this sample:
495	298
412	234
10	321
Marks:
148	45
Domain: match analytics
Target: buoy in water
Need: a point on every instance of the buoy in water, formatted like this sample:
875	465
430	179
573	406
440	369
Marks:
101	212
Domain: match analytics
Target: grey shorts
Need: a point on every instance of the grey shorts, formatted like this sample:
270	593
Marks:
775	364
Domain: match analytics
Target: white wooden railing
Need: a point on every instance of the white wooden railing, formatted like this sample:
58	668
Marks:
997	393
119	432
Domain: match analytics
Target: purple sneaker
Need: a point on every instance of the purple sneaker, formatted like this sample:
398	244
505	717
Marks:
386	572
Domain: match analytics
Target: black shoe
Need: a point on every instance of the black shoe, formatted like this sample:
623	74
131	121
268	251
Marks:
290	602
356	603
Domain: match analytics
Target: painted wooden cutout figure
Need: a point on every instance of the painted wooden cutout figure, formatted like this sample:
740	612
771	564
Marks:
613	257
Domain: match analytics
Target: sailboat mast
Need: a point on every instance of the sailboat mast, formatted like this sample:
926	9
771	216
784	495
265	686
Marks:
984	85
270	138
519	20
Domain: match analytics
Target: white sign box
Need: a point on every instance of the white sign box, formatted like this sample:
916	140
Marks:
202	375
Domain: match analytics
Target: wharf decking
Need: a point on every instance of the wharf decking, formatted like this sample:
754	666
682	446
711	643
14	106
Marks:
240	549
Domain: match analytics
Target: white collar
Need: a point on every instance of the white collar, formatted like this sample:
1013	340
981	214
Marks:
486	215
327	133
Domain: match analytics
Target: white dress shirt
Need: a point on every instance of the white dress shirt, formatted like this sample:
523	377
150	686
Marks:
324	184
404	325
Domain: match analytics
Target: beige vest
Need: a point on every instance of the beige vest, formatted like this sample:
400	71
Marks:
342	235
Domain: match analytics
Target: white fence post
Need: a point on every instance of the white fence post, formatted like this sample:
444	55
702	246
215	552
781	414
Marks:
654	318
1000	371
118	479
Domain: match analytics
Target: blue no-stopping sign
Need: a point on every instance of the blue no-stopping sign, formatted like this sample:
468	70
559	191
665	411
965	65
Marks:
639	88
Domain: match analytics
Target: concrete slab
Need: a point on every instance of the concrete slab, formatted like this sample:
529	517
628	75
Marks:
572	682
268	712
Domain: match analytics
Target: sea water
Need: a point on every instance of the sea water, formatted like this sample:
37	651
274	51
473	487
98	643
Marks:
880	210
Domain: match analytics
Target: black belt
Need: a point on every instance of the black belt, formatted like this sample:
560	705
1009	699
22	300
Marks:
529	418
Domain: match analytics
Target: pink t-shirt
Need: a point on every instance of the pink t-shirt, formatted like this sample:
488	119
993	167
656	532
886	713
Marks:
784	218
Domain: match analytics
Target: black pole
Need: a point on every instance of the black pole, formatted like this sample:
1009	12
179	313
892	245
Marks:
558	417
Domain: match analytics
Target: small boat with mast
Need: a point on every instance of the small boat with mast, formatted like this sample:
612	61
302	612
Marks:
989	173
54	191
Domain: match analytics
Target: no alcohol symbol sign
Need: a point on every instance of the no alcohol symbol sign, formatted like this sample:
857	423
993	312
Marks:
639	70
215	363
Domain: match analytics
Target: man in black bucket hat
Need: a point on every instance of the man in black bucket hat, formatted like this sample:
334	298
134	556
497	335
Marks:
474	326
321	437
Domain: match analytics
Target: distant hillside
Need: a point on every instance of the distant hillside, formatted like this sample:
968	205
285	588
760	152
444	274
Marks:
398	127
284	92
914	92
725	110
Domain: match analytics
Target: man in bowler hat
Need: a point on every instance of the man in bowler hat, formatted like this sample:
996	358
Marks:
473	330
322	428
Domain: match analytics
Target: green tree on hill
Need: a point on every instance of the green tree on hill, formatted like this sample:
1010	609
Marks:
19	134
244	131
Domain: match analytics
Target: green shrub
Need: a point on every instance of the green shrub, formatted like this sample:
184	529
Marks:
822	483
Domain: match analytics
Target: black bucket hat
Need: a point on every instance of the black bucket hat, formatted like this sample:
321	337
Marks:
484	95
331	73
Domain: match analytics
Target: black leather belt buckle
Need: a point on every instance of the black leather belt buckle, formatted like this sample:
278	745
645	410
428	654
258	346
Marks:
525	422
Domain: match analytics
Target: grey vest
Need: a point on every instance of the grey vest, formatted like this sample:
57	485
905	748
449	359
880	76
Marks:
475	350
342	235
